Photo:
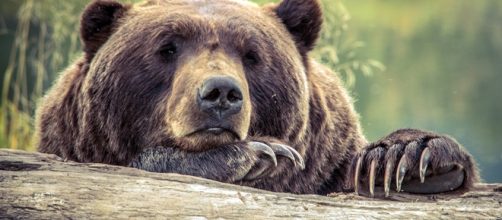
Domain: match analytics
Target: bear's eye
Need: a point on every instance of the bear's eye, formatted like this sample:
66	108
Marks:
251	58
168	51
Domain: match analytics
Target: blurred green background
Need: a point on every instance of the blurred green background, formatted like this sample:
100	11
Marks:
435	65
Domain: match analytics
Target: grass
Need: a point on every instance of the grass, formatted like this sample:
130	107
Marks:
46	40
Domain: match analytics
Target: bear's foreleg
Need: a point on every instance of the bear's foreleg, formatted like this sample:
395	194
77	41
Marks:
241	161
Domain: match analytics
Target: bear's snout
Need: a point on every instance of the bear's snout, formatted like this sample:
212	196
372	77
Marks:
209	104
220	97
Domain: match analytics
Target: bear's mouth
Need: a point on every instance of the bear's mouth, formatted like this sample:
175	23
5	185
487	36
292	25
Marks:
215	131
207	137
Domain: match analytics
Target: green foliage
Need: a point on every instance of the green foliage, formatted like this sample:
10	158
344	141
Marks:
337	50
46	39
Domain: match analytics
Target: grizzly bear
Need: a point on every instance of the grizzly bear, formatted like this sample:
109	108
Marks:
226	90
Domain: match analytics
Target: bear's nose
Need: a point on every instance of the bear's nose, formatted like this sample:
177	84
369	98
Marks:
220	97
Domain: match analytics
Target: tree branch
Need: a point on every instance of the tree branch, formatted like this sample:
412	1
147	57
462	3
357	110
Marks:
42	186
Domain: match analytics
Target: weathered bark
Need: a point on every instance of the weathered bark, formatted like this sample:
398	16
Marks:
41	186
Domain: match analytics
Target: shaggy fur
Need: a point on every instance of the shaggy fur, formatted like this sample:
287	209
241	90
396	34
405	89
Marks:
130	100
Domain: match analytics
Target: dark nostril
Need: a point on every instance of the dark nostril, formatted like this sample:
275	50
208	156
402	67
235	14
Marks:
212	96
234	96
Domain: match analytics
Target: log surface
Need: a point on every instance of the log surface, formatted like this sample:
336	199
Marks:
42	186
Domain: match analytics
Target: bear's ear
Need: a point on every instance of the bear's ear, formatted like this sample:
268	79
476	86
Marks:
98	22
303	18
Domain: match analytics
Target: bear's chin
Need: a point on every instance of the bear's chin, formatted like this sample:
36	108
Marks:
206	140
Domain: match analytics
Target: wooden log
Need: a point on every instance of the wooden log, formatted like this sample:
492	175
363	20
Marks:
42	186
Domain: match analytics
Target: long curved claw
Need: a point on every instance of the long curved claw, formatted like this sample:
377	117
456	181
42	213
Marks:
389	168
424	162
402	168
282	150
372	177
356	175
289	152
299	159
265	149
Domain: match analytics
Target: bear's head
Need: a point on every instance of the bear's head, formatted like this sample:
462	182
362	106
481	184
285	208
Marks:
195	74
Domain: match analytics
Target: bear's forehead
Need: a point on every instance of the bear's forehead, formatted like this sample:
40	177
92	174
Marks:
232	23
207	9
192	14
201	3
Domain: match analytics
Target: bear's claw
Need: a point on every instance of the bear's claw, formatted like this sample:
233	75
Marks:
267	158
402	168
408	161
263	149
289	152
424	162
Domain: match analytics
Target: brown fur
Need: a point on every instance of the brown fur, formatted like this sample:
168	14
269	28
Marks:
127	94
